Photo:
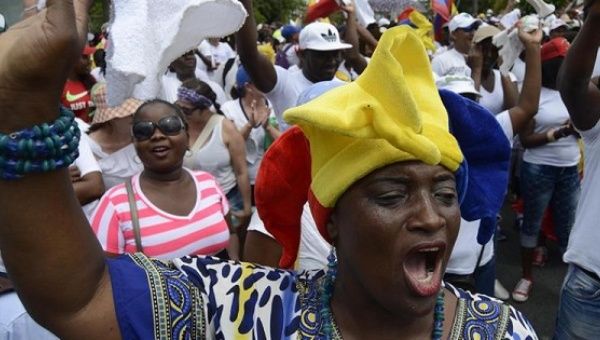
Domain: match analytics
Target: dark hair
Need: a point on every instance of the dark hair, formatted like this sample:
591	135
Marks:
550	69
163	102
203	89
99	59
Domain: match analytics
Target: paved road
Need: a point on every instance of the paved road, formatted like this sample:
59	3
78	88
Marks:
543	302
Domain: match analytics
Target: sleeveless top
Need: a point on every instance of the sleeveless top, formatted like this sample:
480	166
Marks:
209	298
213	157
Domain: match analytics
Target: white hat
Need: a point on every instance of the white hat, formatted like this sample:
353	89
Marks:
457	83
2	23
383	22
556	23
320	36
462	20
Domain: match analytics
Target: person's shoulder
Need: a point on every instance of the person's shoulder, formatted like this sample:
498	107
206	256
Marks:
493	314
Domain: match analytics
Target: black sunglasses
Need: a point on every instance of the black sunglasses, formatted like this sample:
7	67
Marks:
170	126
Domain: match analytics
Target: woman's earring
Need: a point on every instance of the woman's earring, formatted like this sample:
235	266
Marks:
137	160
332	264
188	153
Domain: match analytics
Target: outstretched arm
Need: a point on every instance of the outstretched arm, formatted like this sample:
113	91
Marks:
579	94
260	69
529	99
48	247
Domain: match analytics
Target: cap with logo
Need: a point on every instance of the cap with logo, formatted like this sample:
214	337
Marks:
463	20
320	36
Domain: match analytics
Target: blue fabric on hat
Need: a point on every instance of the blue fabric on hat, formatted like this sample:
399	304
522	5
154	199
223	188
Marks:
288	31
242	77
487	152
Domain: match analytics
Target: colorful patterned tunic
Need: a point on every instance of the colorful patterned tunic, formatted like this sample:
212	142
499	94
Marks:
207	298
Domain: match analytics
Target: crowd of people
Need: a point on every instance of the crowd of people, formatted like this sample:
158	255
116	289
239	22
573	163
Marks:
328	179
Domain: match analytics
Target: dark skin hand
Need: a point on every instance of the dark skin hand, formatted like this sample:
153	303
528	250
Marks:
37	55
580	95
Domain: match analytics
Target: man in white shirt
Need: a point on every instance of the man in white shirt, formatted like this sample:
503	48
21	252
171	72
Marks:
216	51
579	309
320	51
462	27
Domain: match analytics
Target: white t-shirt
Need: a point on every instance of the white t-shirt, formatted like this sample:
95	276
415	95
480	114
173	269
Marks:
596	71
87	163
313	250
97	74
450	62
16	323
117	166
255	144
214	158
170	84
518	70
286	91
494	100
291	54
503	118
552	113
585	235
220	53
466	250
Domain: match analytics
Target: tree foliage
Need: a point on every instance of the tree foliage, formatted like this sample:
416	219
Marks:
277	10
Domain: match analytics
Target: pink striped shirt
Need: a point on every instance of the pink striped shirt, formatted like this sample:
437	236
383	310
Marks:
164	236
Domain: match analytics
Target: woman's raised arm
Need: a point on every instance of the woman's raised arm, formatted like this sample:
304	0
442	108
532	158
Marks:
49	249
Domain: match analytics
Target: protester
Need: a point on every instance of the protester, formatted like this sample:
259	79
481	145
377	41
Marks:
498	92
213	52
578	309
549	175
216	146
287	55
454	61
76	93
99	72
177	212
113	298
182	69
110	138
252	115
319	51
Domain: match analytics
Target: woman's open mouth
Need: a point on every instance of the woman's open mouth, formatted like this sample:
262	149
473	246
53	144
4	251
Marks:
423	268
160	151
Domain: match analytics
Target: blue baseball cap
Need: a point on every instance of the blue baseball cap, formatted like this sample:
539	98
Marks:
288	31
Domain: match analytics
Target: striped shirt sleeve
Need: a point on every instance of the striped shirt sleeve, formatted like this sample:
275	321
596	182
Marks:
106	226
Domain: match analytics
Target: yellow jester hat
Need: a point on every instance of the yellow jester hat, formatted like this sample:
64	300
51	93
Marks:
391	113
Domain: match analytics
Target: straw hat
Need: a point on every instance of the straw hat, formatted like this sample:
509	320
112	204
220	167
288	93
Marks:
104	113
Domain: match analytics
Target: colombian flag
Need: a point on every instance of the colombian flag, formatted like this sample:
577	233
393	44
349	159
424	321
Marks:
443	10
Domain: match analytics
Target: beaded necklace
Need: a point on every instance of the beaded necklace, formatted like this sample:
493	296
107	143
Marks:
329	326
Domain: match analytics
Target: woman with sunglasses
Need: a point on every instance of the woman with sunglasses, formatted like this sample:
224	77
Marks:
393	218
179	212
216	146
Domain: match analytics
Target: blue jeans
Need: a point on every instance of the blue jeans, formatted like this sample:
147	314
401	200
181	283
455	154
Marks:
579	307
543	186
234	196
485	277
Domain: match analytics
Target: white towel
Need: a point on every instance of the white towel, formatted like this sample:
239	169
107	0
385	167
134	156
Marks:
509	45
147	35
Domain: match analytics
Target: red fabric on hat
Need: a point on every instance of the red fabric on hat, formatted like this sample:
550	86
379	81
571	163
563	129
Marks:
320	215
557	47
281	190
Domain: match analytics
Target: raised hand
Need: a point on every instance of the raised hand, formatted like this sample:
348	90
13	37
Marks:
37	55
533	37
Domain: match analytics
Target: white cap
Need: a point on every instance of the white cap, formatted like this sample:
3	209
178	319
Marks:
556	23
462	20
383	22
457	83
320	36
2	23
